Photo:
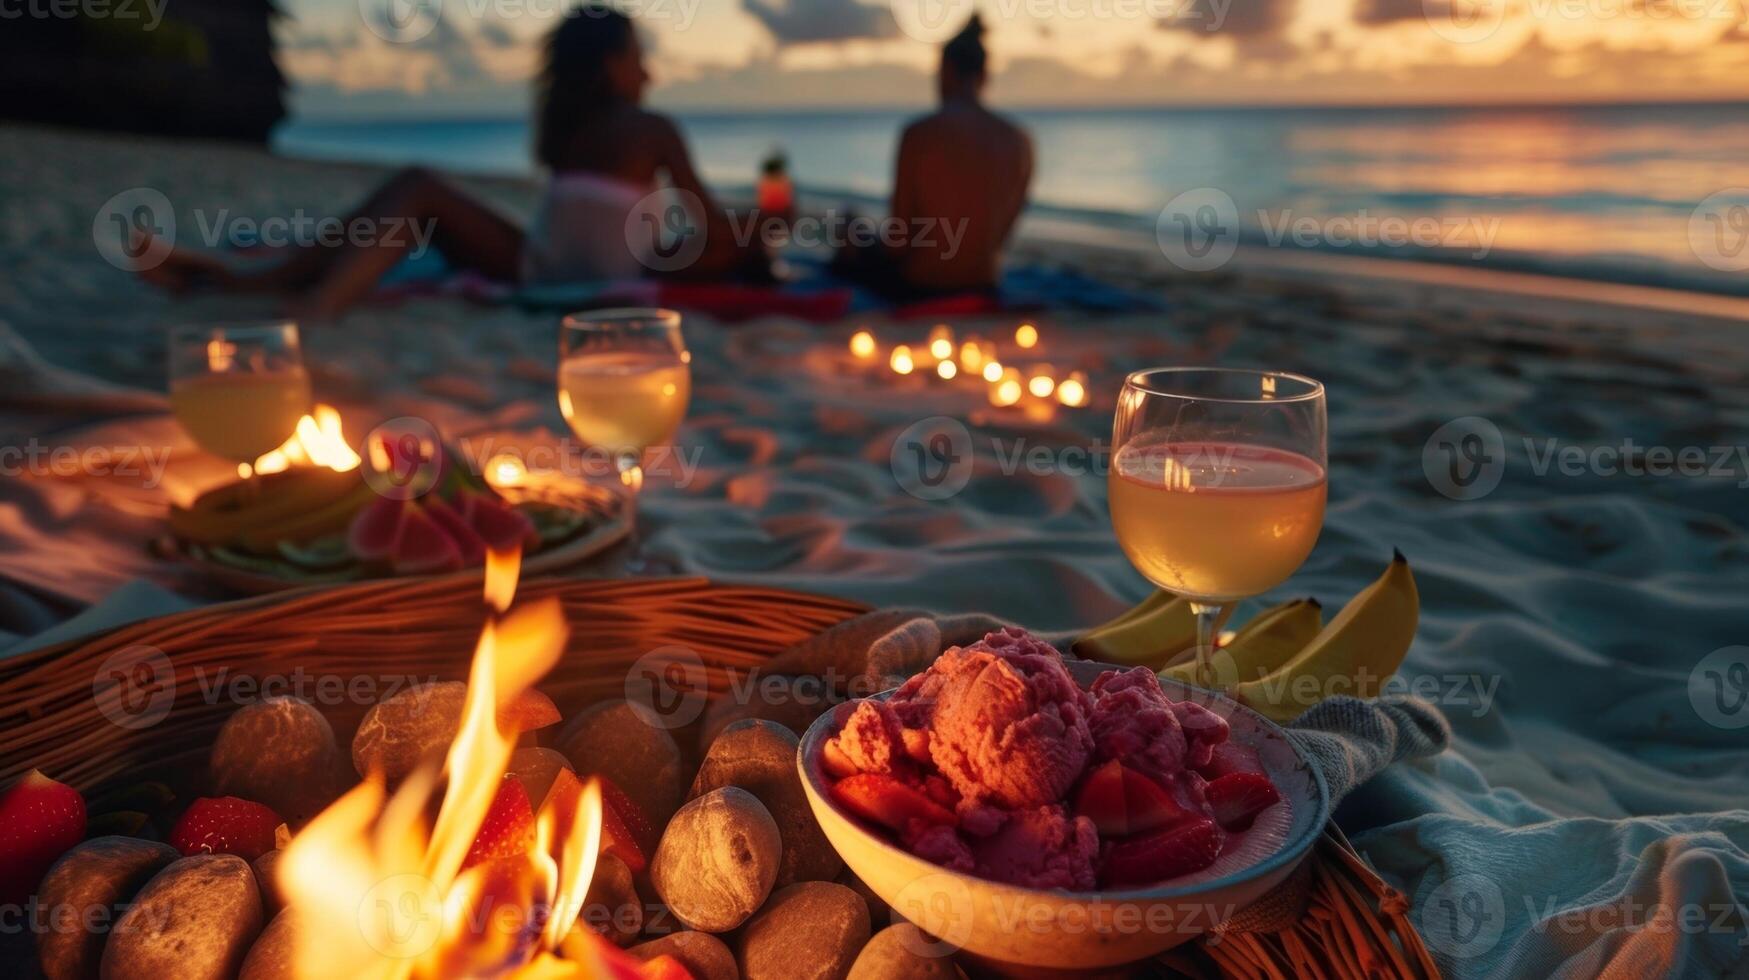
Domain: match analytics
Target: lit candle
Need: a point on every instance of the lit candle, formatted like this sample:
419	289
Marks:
901	360
1005	394
941	342
972	355
862	344
1073	391
992	371
947	370
1026	336
1041	384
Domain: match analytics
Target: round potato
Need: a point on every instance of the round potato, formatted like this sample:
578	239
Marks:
810	931
80	897
760	757
271	958
403	731
904	952
626	743
703	955
195	921
717	860
280	752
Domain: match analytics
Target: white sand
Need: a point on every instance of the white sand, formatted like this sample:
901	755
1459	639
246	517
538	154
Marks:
1580	602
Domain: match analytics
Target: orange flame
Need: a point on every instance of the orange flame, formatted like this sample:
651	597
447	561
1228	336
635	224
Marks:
378	894
318	441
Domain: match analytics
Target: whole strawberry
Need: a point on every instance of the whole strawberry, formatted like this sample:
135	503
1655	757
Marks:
226	825
40	820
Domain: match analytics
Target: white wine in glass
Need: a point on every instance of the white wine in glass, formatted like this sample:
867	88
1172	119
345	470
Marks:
238	391
625	378
1217	486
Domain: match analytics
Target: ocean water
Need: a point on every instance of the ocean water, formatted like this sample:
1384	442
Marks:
1642	194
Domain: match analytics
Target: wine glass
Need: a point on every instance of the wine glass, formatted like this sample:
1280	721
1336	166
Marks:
624	381
238	391
1217	483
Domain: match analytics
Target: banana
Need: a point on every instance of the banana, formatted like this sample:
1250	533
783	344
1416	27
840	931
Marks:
1146	636
1159	599
1270	639
1353	654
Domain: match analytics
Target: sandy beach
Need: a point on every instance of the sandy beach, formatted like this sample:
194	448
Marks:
1618	576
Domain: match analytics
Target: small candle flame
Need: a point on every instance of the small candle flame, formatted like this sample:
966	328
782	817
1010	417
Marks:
1041	385
1026	336
901	360
862	344
993	371
947	370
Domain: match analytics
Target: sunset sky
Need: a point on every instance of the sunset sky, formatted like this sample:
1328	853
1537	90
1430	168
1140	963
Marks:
476	58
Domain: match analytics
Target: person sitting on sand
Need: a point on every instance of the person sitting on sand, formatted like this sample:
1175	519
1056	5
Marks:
959	186
605	155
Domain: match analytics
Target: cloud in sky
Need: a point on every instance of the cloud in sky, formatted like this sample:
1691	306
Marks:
1232	18
787	53
809	21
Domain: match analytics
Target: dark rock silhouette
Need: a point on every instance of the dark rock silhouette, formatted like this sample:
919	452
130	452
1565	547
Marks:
205	69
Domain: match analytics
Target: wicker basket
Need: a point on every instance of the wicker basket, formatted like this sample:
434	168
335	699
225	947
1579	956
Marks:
72	711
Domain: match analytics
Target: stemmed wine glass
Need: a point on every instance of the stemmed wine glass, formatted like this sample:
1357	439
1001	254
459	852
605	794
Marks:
1217	483
238	391
625	377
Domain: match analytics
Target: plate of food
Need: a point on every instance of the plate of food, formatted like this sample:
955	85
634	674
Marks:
311	525
1060	814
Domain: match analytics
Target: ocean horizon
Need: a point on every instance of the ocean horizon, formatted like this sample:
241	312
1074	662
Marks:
1646	194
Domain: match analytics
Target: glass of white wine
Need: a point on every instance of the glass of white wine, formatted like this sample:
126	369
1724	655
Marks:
238	391
1217	484
625	378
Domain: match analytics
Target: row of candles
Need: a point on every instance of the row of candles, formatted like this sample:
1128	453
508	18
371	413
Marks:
976	357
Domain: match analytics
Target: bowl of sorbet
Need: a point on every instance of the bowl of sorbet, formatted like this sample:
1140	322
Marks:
1059	814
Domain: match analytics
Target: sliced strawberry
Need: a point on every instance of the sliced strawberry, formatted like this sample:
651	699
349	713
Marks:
836	763
1122	802
1178	850
1101	800
1239	797
40	820
424	547
500	525
467	540
226	825
1231	757
529	711
888	802
637	832
376	529
508	828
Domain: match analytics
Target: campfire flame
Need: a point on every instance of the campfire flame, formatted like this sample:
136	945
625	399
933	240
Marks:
378	893
318	441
